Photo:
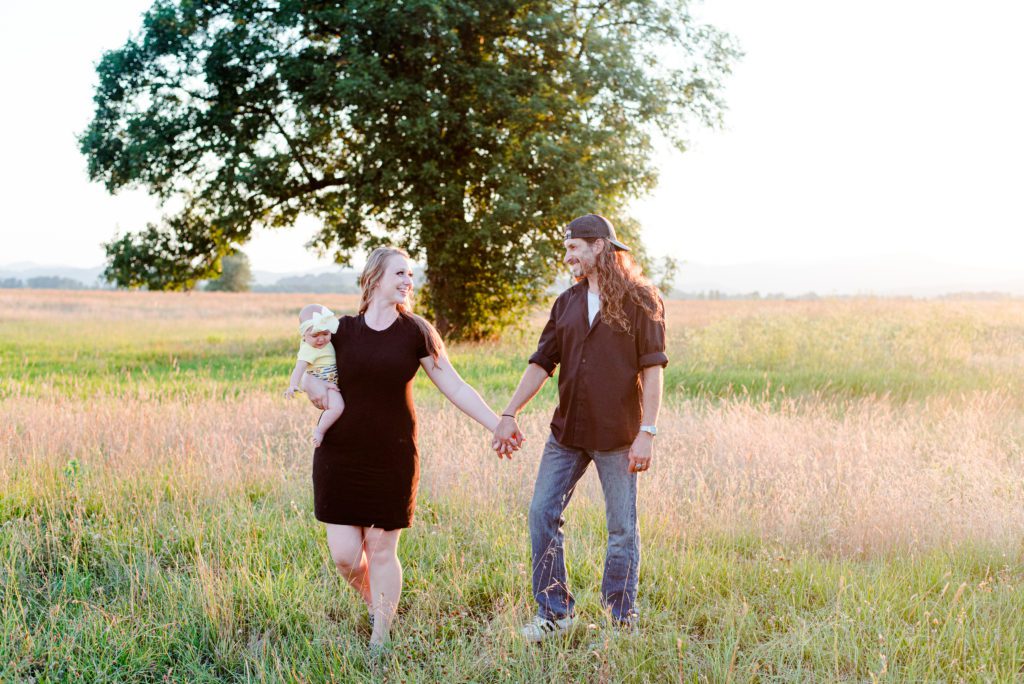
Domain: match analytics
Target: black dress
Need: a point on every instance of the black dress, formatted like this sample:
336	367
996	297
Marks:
366	471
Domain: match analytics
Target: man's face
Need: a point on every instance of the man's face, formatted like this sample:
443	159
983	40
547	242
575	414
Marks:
581	256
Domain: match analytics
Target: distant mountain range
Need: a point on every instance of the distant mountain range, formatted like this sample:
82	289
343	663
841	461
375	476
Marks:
323	279
884	276
89	277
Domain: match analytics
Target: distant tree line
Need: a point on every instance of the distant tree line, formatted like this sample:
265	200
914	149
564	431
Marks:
340	283
235	275
45	283
716	295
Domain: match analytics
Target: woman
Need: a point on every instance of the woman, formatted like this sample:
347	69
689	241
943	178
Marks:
366	471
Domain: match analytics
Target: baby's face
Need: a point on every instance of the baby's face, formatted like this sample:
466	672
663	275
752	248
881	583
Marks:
317	339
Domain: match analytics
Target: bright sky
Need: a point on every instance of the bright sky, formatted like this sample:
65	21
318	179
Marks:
855	129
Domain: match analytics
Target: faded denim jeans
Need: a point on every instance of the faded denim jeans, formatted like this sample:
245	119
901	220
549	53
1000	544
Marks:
561	467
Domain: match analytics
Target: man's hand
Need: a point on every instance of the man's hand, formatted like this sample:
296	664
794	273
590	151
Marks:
316	390
640	452
507	437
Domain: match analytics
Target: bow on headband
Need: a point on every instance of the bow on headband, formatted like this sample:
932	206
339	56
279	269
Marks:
321	320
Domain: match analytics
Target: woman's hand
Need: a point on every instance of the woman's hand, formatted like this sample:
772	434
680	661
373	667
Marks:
507	437
316	390
290	392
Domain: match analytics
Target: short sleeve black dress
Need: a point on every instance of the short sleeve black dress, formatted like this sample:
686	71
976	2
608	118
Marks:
366	471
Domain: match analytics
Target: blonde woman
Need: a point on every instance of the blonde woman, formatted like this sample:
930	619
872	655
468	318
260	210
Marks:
366	471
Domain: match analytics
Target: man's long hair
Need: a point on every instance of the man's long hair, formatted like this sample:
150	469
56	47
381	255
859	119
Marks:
372	274
620	277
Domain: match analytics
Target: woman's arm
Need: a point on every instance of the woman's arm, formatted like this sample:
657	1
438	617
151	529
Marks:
458	391
294	383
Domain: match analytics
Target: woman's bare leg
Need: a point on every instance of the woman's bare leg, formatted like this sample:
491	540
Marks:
346	545
385	578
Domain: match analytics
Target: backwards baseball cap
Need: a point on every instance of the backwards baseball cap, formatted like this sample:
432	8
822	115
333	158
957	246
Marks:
594	226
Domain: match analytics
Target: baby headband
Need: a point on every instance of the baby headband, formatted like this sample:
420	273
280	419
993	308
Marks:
322	320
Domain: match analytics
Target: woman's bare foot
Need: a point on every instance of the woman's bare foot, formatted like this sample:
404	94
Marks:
379	638
380	633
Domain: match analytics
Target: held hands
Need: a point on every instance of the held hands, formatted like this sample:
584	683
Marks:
640	453
507	437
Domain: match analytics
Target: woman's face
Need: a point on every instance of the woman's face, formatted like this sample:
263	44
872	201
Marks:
395	286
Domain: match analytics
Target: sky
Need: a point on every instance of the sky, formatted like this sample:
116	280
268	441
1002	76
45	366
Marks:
854	130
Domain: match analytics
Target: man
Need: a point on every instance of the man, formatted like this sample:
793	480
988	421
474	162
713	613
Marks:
608	333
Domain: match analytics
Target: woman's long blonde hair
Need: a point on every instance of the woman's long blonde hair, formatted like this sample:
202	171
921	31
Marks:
370	279
619	276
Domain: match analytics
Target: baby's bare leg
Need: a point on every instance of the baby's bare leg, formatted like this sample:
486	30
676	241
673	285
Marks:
335	406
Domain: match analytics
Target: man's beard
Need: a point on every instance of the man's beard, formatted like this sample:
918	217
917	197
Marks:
584	272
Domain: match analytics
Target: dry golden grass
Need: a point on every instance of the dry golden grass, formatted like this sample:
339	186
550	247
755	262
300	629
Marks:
872	477
852	475
155	502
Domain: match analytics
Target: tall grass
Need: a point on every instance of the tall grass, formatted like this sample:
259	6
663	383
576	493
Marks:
224	345
160	527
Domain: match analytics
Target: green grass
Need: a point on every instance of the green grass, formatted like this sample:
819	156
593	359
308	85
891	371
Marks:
150	581
171	565
904	351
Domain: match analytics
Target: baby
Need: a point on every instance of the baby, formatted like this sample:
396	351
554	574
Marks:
316	357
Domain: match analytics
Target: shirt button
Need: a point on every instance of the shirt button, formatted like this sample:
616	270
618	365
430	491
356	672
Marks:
584	360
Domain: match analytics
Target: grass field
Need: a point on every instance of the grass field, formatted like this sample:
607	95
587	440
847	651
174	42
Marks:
838	495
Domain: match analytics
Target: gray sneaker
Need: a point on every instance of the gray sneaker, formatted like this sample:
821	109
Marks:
539	628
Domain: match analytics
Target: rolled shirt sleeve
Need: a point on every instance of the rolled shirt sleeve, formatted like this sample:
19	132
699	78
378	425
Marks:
650	340
548	354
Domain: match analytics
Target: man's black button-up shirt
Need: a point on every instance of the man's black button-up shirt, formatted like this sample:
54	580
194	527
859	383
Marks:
599	386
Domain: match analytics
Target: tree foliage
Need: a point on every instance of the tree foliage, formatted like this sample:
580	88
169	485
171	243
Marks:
235	275
664	274
467	131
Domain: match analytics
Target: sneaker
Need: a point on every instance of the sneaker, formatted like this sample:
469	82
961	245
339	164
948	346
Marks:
539	628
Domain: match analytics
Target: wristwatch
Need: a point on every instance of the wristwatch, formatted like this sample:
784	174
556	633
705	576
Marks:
649	429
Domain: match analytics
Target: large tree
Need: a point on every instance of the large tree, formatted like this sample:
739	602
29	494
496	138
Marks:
467	131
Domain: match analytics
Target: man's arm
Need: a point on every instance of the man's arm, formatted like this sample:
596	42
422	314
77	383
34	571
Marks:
508	436
642	450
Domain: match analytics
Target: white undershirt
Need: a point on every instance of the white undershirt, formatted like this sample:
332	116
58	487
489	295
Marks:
593	305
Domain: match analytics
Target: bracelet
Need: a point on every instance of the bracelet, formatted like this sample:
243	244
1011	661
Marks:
509	415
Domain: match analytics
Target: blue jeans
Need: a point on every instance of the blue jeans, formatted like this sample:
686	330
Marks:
561	467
